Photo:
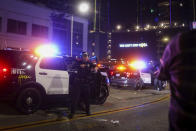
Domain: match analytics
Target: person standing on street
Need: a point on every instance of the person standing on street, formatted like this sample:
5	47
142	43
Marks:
81	89
178	65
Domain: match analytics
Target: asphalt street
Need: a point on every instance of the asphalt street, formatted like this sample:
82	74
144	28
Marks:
125	110
146	118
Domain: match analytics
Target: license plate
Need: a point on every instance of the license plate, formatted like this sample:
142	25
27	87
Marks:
122	77
117	75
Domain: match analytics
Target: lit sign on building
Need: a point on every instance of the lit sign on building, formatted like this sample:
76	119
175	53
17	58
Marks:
133	45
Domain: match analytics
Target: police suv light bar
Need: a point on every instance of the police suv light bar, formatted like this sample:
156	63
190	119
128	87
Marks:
46	50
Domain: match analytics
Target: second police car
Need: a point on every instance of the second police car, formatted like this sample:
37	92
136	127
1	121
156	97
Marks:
29	80
135	74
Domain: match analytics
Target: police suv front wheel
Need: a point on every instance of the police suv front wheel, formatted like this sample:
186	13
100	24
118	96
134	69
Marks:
29	100
103	95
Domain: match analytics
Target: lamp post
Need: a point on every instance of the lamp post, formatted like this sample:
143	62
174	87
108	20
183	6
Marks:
119	27
165	39
83	8
72	22
194	18
170	8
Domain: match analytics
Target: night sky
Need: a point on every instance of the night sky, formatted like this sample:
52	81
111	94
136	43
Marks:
123	12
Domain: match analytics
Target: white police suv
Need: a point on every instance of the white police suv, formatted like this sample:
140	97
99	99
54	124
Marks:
30	80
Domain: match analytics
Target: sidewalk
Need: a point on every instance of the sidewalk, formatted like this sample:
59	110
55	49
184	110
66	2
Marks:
119	98
123	94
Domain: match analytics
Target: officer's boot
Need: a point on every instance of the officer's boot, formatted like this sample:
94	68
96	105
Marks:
88	113
71	115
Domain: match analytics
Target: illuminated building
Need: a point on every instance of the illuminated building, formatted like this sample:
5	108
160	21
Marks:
27	25
99	24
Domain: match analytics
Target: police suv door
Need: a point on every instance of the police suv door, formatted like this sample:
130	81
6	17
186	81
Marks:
146	76
52	75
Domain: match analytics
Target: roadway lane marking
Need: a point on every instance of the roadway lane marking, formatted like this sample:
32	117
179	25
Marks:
78	117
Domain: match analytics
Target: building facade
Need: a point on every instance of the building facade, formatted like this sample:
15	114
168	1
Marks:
98	44
142	44
178	11
25	25
99	28
128	45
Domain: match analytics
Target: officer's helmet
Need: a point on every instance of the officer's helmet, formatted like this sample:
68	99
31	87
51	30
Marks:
84	56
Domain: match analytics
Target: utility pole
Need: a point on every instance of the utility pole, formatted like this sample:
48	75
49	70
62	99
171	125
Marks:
194	10
72	25
141	12
100	16
109	22
137	12
95	15
170	6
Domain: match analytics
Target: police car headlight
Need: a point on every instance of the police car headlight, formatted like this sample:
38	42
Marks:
108	81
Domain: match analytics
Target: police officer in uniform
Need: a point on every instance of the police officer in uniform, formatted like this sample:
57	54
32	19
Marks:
80	91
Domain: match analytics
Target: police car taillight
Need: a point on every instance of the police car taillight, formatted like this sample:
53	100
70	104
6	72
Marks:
128	74
3	70
111	73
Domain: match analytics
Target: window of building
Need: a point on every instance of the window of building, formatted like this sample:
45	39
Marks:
39	31
0	24
53	64
15	26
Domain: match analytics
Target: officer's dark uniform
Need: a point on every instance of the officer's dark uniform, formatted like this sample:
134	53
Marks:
80	91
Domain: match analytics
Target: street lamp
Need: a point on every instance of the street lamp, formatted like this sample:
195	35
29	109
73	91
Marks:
165	39
83	8
162	24
118	27
148	26
183	25
137	27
